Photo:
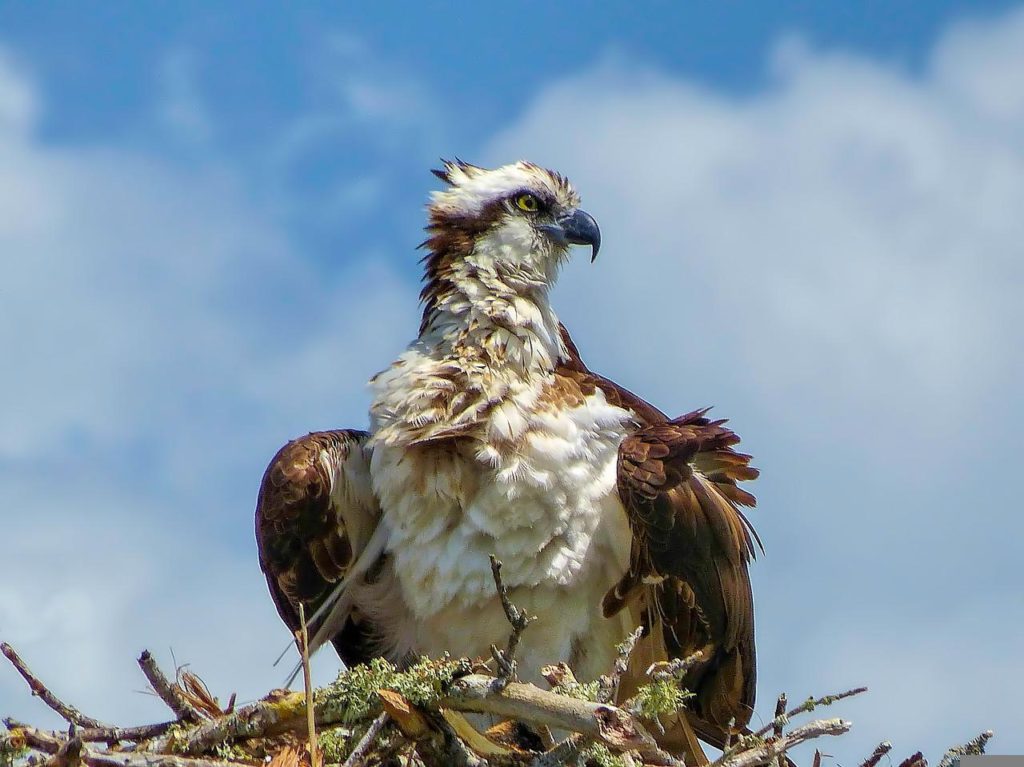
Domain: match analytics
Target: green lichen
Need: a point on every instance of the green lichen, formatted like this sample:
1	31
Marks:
336	743
661	697
229	752
579	690
12	751
599	756
176	738
353	695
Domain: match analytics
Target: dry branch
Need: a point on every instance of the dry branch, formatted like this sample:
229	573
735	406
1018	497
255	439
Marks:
302	641
780	711
974	746
265	718
609	687
168	692
50	743
915	760
881	750
781	721
69	714
601	722
365	743
518	619
766	752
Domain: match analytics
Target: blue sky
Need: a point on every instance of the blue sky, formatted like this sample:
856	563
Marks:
811	221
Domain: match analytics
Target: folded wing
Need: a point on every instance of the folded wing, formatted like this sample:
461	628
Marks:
315	513
688	582
691	546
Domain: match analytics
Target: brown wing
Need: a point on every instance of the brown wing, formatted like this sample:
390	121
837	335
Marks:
315	513
691	546
678	482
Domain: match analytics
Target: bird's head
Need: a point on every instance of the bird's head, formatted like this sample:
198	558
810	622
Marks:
511	226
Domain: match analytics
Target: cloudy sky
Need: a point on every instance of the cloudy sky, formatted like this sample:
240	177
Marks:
812	220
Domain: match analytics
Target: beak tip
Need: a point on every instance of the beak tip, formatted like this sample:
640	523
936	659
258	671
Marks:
580	228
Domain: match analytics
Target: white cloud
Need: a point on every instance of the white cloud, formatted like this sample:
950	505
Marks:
162	337
137	293
836	263
852	224
96	575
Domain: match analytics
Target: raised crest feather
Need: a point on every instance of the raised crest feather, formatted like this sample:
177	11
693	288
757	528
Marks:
453	168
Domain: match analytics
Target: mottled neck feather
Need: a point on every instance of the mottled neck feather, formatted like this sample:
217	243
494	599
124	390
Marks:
479	304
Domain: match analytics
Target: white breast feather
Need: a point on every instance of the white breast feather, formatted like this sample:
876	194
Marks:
469	458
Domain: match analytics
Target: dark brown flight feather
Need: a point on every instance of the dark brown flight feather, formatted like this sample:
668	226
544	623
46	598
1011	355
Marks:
314	509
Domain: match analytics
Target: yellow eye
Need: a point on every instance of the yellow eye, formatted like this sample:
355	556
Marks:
527	202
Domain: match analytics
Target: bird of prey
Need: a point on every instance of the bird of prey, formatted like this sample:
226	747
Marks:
489	435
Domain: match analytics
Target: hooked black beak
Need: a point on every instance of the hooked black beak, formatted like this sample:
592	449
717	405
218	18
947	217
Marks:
576	227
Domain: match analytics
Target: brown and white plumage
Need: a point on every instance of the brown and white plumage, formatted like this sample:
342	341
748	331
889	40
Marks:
678	482
489	435
315	513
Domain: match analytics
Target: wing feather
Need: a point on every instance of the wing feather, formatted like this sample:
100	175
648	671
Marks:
315	513
692	547
688	578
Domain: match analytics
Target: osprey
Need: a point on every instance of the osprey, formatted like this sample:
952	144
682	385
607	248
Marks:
489	435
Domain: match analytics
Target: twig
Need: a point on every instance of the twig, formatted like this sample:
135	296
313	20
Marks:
729	730
69	754
166	691
609	684
677	668
50	744
263	718
809	705
780	710
616	728
477	693
136	759
974	746
567	749
561	753
302	639
519	620
881	750
779	721
448	749
68	713
123	734
767	751
111	735
195	691
915	760
363	746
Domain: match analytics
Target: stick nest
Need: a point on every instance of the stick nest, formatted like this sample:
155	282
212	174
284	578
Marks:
420	716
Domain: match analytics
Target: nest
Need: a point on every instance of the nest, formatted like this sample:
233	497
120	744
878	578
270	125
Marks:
420	716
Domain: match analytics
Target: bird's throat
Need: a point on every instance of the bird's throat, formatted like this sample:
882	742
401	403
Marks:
486	320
